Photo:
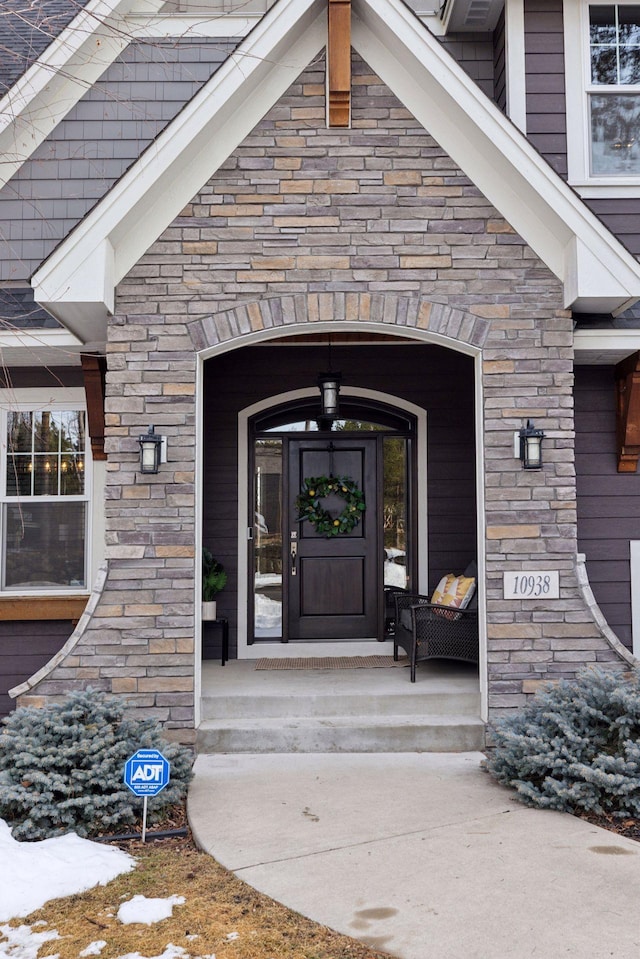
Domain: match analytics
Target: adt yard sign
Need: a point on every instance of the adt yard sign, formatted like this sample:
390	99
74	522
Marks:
146	773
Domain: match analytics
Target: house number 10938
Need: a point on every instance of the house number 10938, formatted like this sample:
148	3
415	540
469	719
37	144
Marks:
532	584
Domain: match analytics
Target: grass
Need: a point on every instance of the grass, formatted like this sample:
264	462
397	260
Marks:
217	904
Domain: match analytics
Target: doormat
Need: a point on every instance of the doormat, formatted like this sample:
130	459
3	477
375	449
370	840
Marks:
331	662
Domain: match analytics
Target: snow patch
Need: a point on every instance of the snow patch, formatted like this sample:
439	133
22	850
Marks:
23	943
94	948
146	911
35	872
170	952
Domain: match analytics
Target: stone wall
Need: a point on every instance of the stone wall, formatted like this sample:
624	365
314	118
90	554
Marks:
372	225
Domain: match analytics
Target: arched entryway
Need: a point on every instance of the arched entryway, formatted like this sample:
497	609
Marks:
418	397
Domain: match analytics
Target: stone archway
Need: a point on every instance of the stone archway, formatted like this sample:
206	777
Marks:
442	323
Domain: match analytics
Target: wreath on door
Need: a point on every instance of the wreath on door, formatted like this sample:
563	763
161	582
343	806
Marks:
315	488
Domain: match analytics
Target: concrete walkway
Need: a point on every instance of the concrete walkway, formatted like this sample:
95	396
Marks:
419	854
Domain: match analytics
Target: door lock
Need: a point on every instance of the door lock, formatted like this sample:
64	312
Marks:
294	552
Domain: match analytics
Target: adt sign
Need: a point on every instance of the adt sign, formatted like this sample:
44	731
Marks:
146	773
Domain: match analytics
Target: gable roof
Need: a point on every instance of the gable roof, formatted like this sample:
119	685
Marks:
26	30
77	282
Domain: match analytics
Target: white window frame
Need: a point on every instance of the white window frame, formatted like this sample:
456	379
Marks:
634	558
578	86
33	400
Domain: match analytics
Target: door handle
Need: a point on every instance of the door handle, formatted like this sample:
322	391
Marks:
294	557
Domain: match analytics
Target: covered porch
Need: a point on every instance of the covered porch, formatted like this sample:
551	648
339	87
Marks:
405	440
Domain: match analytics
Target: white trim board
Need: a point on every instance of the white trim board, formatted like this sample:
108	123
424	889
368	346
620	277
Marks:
40	347
604	346
76	283
514	65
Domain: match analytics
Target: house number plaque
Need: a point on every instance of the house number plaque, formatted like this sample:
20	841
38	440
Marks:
532	584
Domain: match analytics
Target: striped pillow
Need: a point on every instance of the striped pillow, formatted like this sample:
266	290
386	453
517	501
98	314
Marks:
457	594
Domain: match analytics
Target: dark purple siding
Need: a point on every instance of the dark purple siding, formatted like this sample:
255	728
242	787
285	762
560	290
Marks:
499	65
46	377
25	647
439	380
622	217
608	501
474	53
544	68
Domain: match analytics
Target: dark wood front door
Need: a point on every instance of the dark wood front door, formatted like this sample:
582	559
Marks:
333	583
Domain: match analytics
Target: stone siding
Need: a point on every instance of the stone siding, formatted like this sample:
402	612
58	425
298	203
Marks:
372	225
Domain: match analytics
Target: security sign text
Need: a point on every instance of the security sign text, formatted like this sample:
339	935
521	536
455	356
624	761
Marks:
146	773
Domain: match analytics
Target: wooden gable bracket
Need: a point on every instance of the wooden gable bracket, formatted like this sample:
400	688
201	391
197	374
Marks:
339	63
628	413
94	368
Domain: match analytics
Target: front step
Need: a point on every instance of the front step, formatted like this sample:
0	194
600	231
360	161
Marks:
404	702
342	734
245	710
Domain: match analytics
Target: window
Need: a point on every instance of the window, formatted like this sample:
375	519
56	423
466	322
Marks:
44	500
614	90
602	58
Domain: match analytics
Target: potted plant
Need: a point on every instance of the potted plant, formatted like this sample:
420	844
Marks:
214	579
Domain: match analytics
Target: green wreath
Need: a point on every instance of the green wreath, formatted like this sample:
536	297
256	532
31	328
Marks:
315	488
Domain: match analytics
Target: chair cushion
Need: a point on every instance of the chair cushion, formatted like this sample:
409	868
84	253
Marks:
405	619
457	595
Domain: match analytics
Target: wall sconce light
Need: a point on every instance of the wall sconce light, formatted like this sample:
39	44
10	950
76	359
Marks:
152	448
530	447
329	386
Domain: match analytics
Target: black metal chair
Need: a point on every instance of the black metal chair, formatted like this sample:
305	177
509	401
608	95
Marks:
390	608
426	630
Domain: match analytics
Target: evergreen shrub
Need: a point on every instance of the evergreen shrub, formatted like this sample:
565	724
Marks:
575	746
62	766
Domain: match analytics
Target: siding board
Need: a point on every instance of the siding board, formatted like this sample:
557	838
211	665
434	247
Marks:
622	217
499	64
544	77
608	502
475	54
25	647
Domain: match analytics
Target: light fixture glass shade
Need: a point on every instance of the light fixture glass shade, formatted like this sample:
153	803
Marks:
329	386
150	445
531	447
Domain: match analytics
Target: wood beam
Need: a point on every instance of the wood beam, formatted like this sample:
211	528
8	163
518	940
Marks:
628	413
339	63
27	608
94	368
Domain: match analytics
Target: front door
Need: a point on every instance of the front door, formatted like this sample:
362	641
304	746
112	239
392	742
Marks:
306	586
334	584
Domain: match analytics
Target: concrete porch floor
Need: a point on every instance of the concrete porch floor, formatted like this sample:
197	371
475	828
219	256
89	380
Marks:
240	677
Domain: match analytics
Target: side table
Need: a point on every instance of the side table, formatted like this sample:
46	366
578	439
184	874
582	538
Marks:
207	648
